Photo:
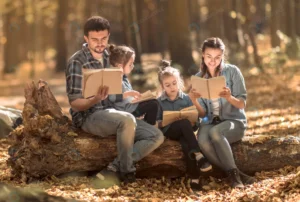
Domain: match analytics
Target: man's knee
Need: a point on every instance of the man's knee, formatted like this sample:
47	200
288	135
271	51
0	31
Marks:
127	119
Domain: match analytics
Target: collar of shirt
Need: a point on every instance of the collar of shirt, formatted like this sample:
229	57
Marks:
89	55
165	97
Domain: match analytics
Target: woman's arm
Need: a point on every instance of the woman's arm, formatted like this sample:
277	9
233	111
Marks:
238	103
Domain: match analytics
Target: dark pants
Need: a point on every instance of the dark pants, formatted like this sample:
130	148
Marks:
148	109
182	131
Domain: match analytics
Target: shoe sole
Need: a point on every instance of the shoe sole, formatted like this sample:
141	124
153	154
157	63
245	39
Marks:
206	169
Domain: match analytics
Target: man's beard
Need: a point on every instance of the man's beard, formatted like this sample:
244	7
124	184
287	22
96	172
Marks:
97	49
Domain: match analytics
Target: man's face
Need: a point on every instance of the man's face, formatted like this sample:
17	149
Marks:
97	41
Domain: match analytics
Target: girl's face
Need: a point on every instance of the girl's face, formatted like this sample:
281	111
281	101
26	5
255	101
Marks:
129	66
170	86
212	57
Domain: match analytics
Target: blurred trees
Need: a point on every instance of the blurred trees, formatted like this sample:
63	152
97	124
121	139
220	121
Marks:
35	30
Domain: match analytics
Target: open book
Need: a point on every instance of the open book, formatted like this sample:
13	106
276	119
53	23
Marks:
208	88
148	95
94	78
189	113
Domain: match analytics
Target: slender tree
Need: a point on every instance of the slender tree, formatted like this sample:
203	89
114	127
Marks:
274	23
292	48
178	35
61	45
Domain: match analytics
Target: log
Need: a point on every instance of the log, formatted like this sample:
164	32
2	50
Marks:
46	145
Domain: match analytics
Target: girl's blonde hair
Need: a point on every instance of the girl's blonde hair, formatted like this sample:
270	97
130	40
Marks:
165	70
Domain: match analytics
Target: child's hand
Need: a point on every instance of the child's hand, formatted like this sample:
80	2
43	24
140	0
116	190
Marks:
132	93
194	95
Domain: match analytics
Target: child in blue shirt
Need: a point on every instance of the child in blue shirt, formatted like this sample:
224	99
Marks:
123	57
173	99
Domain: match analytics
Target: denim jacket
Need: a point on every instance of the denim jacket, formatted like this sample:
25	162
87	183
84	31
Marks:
182	101
234	81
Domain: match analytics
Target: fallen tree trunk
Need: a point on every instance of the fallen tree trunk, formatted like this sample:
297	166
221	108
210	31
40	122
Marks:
47	145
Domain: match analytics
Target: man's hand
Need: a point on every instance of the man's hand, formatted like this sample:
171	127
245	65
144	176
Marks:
102	93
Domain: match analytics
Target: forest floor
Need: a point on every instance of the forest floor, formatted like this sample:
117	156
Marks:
273	109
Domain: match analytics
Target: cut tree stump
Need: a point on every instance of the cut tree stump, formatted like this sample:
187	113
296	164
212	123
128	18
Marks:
46	145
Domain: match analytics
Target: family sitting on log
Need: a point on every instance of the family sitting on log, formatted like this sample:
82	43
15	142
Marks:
223	118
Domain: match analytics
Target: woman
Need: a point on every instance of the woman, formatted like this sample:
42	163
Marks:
224	118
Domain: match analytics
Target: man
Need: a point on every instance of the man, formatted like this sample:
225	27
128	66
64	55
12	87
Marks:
135	138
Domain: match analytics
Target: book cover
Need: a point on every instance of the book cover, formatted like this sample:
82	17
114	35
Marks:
189	113
208	88
148	95
94	78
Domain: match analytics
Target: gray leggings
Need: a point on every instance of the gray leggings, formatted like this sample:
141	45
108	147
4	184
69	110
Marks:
215	140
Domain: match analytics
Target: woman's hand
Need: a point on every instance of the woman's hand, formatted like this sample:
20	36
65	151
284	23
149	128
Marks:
225	93
132	93
194	95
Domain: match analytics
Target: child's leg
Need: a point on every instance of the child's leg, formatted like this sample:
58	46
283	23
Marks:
186	129
149	109
191	163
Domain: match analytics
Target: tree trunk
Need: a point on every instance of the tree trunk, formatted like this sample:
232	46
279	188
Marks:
178	36
11	29
275	41
297	16
215	18
46	145
292	48
61	46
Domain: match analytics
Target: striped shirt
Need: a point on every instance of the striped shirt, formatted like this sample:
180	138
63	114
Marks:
82	59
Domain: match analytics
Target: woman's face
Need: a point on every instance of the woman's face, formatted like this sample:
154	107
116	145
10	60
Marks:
170	86
212	57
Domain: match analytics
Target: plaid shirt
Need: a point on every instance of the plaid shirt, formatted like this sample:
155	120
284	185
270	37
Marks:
82	59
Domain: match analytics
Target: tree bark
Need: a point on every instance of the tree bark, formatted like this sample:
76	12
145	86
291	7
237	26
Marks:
47	145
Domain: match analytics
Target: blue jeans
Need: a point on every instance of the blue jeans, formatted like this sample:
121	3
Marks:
135	138
215	140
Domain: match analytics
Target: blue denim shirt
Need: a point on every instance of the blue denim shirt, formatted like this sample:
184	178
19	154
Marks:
182	101
234	81
117	101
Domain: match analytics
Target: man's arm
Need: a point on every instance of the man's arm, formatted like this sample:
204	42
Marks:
82	104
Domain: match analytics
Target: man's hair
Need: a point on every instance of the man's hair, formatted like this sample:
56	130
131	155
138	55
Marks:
96	23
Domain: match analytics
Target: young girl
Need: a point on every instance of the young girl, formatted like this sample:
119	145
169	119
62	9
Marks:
226	116
123	57
173	99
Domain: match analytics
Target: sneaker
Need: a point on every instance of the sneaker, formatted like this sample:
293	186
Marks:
128	177
106	178
234	178
204	165
195	185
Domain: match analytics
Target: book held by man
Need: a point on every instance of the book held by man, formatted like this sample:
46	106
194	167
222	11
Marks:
148	95
208	88
94	78
189	113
